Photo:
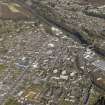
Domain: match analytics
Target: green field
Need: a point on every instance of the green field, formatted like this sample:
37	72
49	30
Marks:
2	68
11	101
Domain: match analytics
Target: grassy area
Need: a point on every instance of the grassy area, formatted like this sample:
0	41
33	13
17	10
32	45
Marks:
63	102
2	67
33	92
16	73
92	98
11	101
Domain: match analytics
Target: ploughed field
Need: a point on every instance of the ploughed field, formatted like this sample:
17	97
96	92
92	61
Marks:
95	2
